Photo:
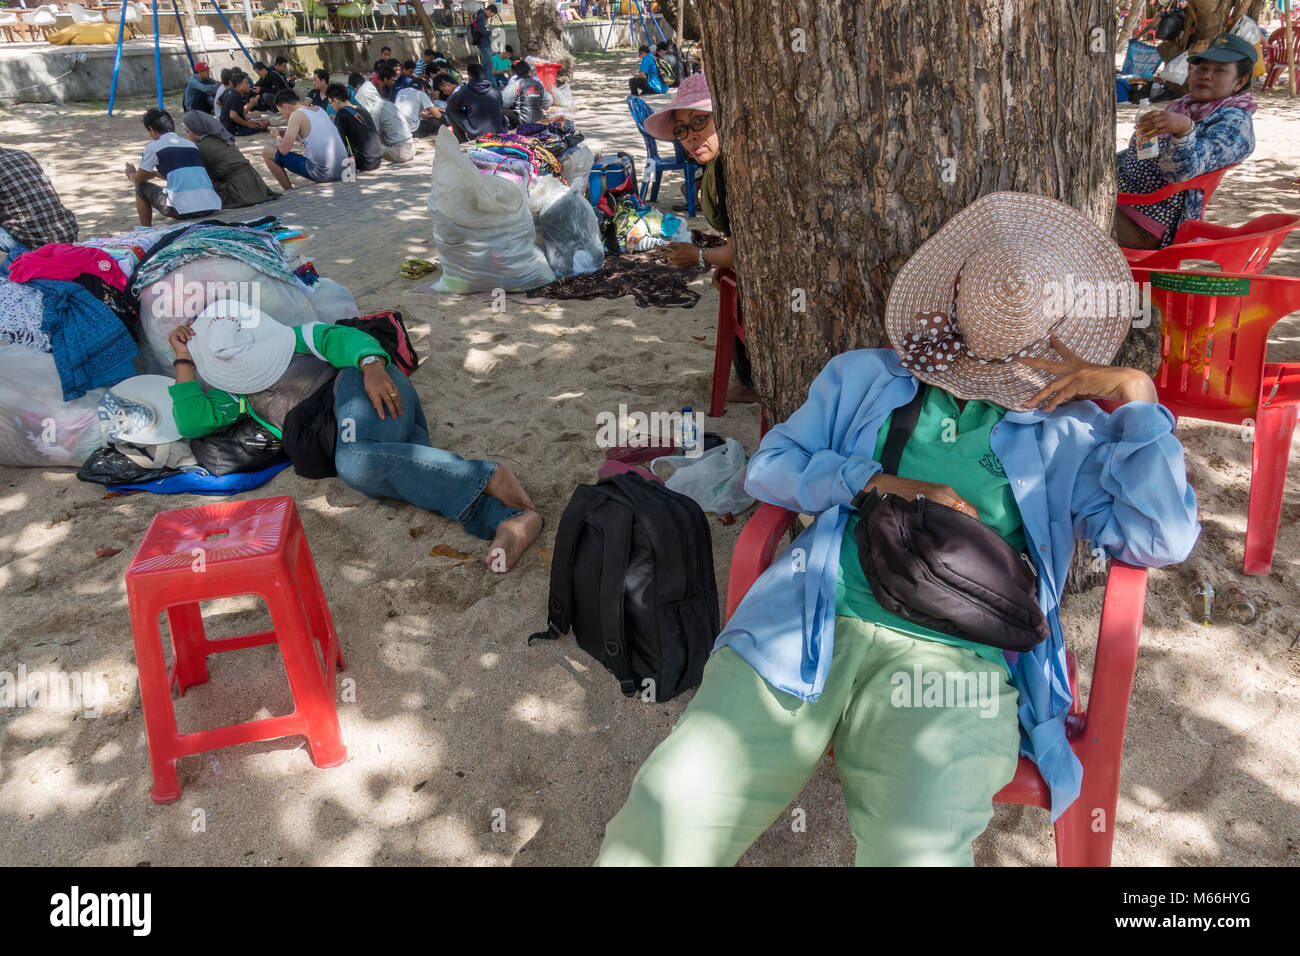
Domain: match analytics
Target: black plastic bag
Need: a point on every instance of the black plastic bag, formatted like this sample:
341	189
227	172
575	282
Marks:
108	466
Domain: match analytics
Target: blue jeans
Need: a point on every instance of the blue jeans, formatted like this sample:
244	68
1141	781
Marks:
392	458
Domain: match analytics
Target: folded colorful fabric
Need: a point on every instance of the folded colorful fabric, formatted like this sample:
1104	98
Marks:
251	246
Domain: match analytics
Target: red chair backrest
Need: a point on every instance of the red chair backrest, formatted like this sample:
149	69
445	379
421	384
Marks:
1245	248
1216	327
1207	183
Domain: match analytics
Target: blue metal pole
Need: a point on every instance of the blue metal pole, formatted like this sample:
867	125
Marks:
180	28
117	59
157	55
610	32
232	32
640	11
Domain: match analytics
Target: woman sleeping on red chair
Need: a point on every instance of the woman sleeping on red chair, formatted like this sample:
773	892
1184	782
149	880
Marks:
1207	129
926	725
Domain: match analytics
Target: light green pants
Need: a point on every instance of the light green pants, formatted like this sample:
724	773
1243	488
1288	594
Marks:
924	735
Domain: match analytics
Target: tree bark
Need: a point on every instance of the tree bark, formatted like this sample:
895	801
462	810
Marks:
672	9
426	25
541	33
878	122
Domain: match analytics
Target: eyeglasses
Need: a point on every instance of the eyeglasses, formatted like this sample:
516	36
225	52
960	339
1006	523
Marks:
697	123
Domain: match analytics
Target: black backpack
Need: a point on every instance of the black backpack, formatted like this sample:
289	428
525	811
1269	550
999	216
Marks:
632	574
1171	25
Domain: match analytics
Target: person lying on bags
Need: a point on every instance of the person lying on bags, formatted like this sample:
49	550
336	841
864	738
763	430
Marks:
257	366
927	648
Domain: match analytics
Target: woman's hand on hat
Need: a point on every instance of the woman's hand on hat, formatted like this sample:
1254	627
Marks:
178	339
1156	122
381	390
910	489
1078	378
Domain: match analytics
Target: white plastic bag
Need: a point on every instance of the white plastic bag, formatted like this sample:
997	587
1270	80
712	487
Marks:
1248	30
187	290
331	301
1175	71
715	481
37	427
482	226
571	234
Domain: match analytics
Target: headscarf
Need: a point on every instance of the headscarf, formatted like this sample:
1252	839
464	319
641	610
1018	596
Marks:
1197	111
205	124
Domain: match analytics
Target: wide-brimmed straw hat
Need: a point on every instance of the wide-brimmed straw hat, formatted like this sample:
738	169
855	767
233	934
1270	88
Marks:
993	286
238	348
693	94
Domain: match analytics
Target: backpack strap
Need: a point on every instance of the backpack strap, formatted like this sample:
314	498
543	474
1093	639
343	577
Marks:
901	425
616	530
560	607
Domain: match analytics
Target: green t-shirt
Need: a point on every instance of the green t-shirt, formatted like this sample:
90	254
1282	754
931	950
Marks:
949	447
500	64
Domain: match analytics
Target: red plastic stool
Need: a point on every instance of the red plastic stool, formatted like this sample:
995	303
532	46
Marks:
223	550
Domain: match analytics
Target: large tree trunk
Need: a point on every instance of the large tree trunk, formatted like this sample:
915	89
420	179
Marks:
670	10
879	120
541	33
426	25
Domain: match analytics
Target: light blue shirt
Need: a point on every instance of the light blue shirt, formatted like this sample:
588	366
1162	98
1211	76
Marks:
1116	480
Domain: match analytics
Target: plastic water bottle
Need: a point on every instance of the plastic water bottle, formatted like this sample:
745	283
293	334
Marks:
350	170
1148	147
1203	602
690	437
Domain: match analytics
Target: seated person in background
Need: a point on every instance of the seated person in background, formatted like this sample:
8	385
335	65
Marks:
233	178
525	98
323	151
365	93
282	66
320	79
669	68
422	117
399	145
501	64
566	12
356	129
474	110
811	658
270	83
386	82
385	54
405	79
222	87
30	210
443	86
424	68
646	79
200	89
235	115
188	193
689	120
255	365
1205	130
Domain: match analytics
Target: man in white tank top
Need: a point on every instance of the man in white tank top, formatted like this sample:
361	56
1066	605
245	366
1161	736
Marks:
323	147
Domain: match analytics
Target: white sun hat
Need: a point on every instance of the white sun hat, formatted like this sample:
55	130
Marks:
238	348
139	410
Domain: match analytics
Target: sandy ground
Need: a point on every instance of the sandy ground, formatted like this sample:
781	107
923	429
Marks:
456	722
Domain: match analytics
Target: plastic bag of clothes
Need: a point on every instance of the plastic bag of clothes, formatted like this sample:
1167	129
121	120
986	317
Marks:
482	227
331	301
37	427
641	227
187	290
571	233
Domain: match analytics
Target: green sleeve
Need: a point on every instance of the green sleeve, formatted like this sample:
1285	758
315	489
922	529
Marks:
198	413
340	345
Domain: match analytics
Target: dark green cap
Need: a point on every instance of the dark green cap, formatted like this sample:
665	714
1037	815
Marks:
1225	48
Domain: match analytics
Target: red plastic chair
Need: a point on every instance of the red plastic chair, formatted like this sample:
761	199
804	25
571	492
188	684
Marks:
1247	248
222	550
1096	733
1215	367
731	329
1206	183
1275	58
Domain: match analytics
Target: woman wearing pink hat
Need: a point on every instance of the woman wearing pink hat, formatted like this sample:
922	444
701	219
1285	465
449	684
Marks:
689	119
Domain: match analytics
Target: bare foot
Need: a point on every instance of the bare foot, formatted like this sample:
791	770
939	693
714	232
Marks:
741	394
512	540
507	489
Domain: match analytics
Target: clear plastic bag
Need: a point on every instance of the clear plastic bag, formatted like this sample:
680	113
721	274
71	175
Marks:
715	480
571	235
37	427
1175	71
482	226
185	291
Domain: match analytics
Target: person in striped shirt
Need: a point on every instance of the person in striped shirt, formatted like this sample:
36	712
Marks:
188	193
